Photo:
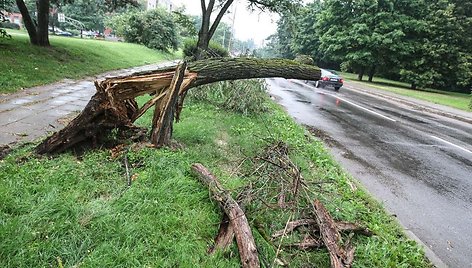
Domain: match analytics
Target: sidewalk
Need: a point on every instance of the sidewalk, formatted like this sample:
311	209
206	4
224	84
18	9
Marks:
36	112
411	102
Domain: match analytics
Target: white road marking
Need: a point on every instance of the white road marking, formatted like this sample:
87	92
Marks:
452	144
363	108
342	99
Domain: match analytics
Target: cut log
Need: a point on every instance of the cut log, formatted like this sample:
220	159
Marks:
114	106
341	257
242	231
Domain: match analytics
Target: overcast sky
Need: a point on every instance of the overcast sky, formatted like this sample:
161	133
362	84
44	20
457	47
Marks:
247	25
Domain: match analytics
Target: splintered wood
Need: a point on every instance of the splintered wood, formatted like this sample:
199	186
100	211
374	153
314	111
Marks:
114	104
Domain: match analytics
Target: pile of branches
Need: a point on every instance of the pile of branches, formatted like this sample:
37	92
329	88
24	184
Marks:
277	190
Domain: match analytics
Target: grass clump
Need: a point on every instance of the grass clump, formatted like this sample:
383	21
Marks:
81	211
24	65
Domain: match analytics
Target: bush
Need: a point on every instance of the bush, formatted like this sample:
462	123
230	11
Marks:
246	97
215	50
9	25
155	29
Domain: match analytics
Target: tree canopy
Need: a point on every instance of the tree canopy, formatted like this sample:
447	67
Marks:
424	42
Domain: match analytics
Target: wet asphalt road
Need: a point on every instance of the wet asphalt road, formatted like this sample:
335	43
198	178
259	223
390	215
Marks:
419	165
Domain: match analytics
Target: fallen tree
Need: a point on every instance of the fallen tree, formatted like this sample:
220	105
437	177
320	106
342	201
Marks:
114	105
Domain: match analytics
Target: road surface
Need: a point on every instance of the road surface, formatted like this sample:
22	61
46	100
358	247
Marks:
419	165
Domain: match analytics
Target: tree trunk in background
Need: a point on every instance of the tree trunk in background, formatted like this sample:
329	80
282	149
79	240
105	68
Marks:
206	32
43	22
361	74
413	86
371	73
28	22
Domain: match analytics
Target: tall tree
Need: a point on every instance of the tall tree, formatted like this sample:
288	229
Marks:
38	27
208	28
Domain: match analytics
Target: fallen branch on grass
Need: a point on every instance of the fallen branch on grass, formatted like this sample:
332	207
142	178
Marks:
237	218
341	256
341	226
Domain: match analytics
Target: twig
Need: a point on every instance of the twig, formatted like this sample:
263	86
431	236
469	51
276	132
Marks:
127	170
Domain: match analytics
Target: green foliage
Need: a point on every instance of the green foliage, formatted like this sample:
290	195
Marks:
90	12
67	58
246	97
305	59
400	39
155	29
186	24
214	49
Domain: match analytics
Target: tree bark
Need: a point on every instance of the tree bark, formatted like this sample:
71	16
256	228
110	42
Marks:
28	21
371	73
114	105
242	230
43	22
361	74
340	256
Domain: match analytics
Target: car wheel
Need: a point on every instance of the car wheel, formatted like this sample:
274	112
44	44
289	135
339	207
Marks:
336	88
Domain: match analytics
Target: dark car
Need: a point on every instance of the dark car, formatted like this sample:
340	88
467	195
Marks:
330	78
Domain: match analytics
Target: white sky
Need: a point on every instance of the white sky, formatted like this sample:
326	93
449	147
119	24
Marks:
247	25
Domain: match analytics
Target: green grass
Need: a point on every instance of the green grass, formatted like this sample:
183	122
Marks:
451	99
80	211
24	65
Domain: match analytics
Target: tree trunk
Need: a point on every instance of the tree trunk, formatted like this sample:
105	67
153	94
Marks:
114	105
371	73
361	74
242	230
43	22
413	85
28	22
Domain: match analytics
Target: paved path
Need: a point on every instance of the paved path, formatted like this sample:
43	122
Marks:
38	111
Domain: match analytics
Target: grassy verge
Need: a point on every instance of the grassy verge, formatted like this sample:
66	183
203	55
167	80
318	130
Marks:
452	99
80	212
24	65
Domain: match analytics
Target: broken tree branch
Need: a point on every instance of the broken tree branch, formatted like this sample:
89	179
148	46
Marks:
341	257
242	231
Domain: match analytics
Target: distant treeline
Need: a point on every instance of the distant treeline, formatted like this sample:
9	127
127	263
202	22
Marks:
427	43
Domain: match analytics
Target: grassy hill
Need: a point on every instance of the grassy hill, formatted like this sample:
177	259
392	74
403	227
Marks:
23	65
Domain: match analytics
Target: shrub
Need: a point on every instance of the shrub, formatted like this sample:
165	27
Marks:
246	97
155	29
214	50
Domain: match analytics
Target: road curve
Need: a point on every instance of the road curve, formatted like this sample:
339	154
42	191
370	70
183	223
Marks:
418	164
